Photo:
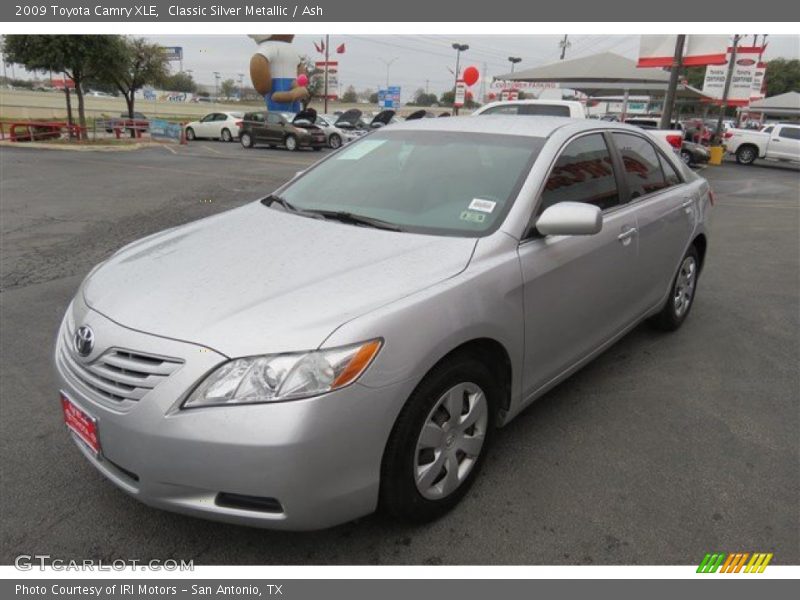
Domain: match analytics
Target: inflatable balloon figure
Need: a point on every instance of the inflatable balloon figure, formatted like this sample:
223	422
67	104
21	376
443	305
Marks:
275	69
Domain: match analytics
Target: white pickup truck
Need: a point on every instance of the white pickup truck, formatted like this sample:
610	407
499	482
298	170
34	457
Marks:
777	142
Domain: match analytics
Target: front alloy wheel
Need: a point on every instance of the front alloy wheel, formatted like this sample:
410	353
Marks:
440	439
451	440
291	143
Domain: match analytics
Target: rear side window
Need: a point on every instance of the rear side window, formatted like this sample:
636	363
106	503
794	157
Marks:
642	165
548	110
792	133
670	174
583	173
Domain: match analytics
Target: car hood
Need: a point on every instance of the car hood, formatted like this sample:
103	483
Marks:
257	280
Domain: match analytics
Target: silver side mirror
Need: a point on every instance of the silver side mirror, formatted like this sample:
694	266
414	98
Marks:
570	218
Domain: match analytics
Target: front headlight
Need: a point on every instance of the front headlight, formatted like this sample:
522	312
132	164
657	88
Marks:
276	377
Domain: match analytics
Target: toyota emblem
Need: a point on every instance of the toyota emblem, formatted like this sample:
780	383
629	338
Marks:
84	340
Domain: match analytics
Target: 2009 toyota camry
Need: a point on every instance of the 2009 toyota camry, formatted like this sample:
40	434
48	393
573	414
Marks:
354	339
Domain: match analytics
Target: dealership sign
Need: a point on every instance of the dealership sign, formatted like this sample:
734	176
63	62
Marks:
173	53
389	97
461	94
747	78
507	84
331	67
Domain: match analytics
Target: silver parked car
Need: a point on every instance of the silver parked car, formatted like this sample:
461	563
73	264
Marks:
354	339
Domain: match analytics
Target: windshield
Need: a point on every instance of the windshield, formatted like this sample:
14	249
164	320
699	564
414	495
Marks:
424	181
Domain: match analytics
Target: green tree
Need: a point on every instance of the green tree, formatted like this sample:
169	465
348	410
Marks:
179	82
373	98
227	88
783	75
316	77
132	63
447	98
423	98
79	57
350	95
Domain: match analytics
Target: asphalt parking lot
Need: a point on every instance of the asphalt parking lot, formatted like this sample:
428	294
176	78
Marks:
663	449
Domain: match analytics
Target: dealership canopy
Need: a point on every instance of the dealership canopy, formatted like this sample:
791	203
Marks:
603	74
782	105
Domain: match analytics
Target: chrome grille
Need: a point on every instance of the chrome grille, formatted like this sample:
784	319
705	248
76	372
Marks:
118	374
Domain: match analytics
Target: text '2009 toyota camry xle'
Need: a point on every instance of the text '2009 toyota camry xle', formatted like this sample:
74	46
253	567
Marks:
353	340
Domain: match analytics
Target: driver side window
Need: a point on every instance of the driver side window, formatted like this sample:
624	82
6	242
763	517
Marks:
583	172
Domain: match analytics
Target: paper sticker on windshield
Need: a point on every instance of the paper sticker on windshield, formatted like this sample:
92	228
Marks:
360	149
472	217
484	206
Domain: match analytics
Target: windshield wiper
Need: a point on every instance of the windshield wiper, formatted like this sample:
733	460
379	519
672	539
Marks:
353	219
273	199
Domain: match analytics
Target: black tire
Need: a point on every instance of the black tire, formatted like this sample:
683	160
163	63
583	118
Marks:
746	154
335	141
246	140
190	135
226	135
686	157
290	142
671	318
399	496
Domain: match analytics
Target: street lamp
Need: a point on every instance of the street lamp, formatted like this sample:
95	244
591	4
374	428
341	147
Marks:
514	60
216	86
459	48
388	64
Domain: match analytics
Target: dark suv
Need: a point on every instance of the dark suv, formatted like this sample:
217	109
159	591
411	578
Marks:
282	129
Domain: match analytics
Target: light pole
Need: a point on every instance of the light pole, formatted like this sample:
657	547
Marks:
459	48
241	83
388	64
564	45
216	86
514	60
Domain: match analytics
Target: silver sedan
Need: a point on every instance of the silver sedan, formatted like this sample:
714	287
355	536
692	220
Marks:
354	340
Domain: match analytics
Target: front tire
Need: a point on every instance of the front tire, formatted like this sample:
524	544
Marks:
335	141
291	143
746	155
682	293
226	135
440	440
190	137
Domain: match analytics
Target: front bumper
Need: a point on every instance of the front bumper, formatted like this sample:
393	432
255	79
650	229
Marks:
316	460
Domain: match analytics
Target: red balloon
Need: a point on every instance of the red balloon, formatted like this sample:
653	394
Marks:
471	75
492	96
302	80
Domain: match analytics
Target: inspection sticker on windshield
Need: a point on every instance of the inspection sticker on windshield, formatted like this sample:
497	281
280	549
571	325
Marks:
481	205
360	149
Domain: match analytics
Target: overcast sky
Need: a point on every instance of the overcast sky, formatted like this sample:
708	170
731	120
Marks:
418	59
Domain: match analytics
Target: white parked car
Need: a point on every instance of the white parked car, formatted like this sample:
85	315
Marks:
216	126
547	108
780	141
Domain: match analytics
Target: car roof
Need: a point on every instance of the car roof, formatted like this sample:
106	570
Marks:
522	125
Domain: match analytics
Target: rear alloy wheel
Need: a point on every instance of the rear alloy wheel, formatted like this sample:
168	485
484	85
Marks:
246	140
335	141
290	143
226	135
682	294
190	135
439	440
746	155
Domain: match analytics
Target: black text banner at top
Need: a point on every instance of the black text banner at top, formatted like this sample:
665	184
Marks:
450	11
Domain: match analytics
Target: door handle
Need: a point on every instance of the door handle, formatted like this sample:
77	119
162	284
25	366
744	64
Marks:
687	203
625	236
